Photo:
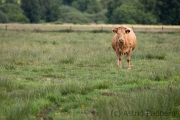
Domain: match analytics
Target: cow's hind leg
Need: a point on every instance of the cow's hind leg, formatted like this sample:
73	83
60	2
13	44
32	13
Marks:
128	61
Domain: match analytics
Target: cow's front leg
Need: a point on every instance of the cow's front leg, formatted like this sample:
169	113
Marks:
128	58
119	63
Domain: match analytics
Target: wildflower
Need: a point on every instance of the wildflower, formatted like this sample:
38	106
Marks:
57	113
82	106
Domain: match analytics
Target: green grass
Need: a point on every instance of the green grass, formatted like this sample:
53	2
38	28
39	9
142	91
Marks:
75	76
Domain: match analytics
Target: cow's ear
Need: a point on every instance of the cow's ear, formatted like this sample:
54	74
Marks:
115	30
127	31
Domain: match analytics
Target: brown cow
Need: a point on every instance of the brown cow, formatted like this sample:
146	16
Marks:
123	42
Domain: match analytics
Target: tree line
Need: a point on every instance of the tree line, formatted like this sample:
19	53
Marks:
91	11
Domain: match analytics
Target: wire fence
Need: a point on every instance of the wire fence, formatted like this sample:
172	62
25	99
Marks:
84	28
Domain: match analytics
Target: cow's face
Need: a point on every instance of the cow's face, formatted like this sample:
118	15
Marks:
121	34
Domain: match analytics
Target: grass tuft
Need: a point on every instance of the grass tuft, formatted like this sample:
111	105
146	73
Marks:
67	60
155	56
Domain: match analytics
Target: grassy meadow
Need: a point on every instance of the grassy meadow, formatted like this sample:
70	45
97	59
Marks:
62	76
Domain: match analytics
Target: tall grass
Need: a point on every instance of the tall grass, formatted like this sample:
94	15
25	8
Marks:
75	76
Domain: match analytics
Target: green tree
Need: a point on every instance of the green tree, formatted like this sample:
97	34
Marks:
50	10
11	1
72	15
52	13
93	6
31	10
89	6
105	3
168	11
14	13
128	13
67	2
111	7
147	5
58	2
165	11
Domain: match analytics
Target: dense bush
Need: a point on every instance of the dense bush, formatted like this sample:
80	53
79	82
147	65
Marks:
3	17
14	13
66	9
99	17
144	12
89	6
165	11
31	9
11	1
50	10
72	15
92	11
129	14
76	18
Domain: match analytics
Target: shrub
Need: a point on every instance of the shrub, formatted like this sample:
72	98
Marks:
72	15
14	13
89	6
58	22
156	56
99	17
66	9
131	15
3	17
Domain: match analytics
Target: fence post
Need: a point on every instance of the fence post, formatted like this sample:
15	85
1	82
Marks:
6	27
162	28
70	28
102	28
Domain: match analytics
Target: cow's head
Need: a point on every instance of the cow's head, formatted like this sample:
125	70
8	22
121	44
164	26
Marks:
121	33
